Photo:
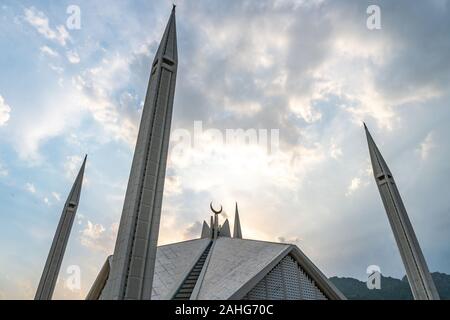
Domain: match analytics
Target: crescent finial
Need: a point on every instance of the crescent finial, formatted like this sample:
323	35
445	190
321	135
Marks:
212	209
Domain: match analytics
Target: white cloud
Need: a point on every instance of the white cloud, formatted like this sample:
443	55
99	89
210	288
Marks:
30	187
290	240
41	23
249	167
49	51
303	107
50	118
72	166
172	185
58	70
56	195
5	111
97	238
97	87
335	151
73	57
426	146
47	201
354	185
193	230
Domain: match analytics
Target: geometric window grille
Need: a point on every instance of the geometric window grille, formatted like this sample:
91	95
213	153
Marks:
286	281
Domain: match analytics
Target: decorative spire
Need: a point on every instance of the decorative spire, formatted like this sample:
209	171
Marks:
237	233
58	248
419	277
206	231
225	229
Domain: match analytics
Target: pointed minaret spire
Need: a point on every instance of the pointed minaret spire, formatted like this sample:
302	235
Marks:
419	278
56	254
134	257
168	46
379	165
237	233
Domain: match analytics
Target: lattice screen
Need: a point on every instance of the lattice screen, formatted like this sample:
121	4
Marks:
286	281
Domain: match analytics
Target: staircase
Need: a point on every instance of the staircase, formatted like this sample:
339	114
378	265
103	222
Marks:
185	290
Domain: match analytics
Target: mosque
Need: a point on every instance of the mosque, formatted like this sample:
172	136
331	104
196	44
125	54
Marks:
219	264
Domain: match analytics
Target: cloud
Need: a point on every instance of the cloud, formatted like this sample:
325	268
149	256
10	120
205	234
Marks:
40	22
172	185
354	185
291	240
98	86
97	238
49	51
193	231
72	166
57	69
426	146
55	113
304	108
30	187
57	196
73	57
335	151
5	111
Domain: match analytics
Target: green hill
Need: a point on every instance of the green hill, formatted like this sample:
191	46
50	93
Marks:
391	288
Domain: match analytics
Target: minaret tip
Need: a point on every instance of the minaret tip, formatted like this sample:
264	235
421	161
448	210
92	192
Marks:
168	45
365	127
83	165
368	135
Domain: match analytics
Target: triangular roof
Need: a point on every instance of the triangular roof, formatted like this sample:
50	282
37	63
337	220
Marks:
233	263
232	269
237	265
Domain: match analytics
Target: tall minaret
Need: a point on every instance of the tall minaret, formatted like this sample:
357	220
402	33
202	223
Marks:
56	254
135	251
419	278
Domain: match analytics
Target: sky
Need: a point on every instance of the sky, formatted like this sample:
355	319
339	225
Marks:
311	71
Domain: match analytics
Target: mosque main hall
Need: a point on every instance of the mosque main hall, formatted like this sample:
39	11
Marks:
221	264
